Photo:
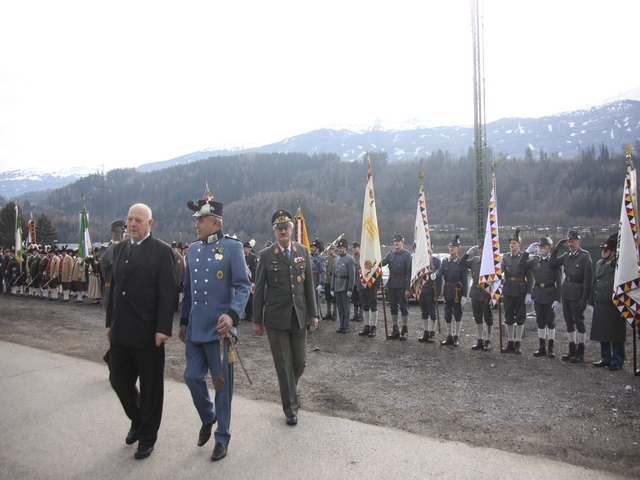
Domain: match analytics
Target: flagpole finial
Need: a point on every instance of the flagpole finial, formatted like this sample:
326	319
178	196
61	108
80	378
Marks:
627	150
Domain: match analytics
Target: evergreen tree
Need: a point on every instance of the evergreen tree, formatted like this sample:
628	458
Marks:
8	225
46	233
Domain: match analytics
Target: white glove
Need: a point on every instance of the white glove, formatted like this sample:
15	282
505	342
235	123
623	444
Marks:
527	299
333	294
319	289
433	276
349	293
471	250
555	306
532	248
463	300
590	308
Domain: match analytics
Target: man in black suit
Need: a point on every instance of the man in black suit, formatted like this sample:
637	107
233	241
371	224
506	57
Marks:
139	321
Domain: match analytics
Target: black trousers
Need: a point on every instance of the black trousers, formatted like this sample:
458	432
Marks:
144	407
515	310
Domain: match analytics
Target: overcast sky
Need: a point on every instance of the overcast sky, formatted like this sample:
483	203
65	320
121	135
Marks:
122	83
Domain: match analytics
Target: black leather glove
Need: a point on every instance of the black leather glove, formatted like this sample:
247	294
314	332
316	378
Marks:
582	304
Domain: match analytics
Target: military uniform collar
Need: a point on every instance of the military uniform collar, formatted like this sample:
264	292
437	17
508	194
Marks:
214	237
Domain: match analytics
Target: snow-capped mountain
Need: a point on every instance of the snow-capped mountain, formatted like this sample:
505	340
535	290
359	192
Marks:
17	182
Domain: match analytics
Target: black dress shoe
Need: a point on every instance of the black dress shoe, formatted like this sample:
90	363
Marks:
340	330
219	452
205	432
143	451
132	436
601	364
292	420
456	341
615	368
448	341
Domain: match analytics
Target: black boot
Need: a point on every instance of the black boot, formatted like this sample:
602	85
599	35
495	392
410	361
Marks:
432	337
516	348
404	333
372	332
328	316
365	331
448	341
571	353
542	351
456	341
550	353
487	346
479	345
579	356
395	333
424	338
509	348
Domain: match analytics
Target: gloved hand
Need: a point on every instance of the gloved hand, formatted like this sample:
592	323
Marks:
463	300
333	294
582	304
433	276
319	289
471	250
555	306
349	293
590	308
527	299
532	247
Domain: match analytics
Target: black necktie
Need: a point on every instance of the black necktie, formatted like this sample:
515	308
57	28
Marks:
286	254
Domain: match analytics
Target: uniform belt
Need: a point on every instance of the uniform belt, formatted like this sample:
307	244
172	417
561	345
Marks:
571	280
452	284
545	285
395	275
315	275
515	279
342	276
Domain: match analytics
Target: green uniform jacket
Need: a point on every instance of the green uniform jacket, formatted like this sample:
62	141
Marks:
281	286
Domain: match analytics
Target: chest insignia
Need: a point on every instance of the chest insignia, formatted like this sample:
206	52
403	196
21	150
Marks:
219	275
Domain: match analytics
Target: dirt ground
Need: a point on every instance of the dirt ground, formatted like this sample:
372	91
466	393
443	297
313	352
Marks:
534	406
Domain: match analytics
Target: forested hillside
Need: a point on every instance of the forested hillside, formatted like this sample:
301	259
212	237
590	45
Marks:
536	192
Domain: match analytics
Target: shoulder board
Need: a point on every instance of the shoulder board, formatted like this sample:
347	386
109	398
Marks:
230	238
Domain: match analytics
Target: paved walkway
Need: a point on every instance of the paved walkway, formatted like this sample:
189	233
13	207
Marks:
59	419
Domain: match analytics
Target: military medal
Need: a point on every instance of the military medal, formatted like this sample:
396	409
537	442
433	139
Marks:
299	279
538	264
218	256
219	274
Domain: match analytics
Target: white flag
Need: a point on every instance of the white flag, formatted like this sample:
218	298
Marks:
370	268
422	241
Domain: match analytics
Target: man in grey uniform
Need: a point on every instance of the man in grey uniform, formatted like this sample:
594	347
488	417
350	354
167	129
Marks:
545	292
332	306
480	299
398	285
344	279
318	267
575	291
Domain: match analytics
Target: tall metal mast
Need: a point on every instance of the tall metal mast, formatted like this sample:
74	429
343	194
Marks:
479	124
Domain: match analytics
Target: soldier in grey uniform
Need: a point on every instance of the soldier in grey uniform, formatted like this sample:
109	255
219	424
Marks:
318	267
355	298
608	326
480	299
456	284
545	292
429	302
342	283
578	271
251	260
398	285
332	306
105	257
516	293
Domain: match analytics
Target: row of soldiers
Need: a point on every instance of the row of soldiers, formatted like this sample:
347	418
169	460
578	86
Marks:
540	275
47	272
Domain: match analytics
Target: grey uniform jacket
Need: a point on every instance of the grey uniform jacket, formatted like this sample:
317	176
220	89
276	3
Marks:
548	280
282	286
399	269
456	280
608	324
344	273
513	269
577	273
319	269
473	264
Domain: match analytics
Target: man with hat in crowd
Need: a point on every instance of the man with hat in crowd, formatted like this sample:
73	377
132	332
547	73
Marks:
78	276
608	326
42	272
284	304
578	271
398	285
105	256
53	273
480	299
318	267
216	291
456	284
251	260
332	306
545	292
33	264
66	271
355	298
516	293
342	284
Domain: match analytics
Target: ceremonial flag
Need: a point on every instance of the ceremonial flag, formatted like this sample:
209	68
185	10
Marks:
490	278
301	229
31	228
84	240
421	261
626	294
370	268
18	234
